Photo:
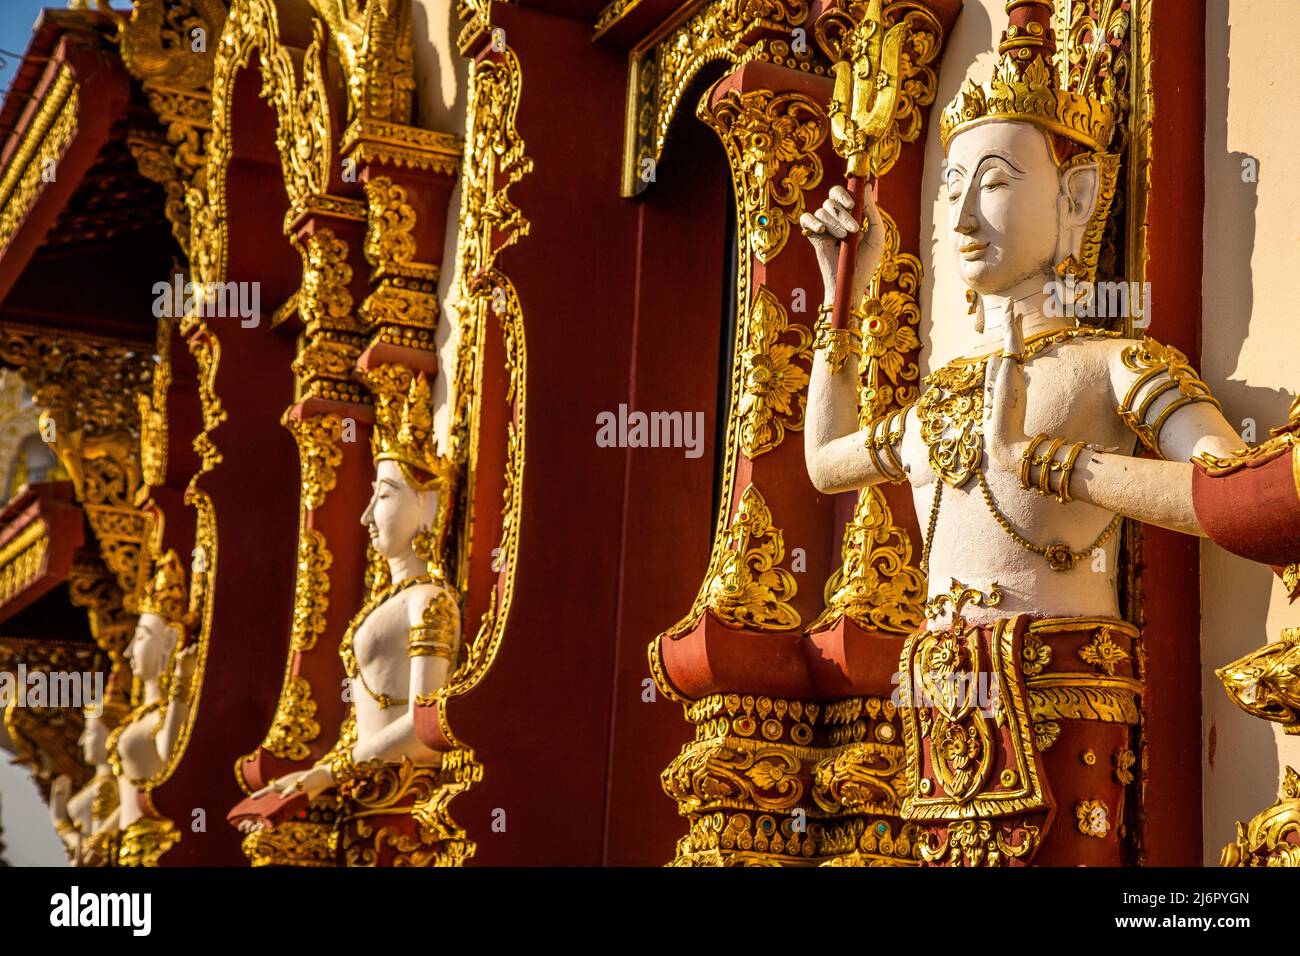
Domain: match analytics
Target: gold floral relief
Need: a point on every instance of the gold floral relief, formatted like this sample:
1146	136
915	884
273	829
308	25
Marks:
775	376
889	318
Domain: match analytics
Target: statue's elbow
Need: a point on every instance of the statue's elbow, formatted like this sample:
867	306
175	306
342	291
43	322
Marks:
818	472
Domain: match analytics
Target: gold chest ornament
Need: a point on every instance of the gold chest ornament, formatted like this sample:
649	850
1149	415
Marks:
951	414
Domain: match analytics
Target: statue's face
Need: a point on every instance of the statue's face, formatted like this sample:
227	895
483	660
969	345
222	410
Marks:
1004	194
397	512
93	740
150	647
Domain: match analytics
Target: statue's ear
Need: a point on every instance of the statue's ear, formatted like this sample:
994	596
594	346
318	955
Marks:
1079	189
171	637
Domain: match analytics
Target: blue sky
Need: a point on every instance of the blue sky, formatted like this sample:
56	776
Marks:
16	20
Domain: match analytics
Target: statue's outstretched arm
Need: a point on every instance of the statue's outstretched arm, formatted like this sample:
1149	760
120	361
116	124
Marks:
839	455
1160	399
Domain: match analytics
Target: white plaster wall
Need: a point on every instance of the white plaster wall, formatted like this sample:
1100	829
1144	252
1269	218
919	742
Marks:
1251	289
441	80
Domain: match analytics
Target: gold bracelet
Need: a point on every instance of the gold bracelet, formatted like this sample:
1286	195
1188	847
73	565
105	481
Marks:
839	343
1027	460
1063	489
1045	476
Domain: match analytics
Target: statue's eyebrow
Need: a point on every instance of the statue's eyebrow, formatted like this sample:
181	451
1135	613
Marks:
1002	155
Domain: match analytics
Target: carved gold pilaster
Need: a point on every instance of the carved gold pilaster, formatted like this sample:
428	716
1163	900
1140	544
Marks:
860	786
332	333
46	739
90	394
744	783
402	308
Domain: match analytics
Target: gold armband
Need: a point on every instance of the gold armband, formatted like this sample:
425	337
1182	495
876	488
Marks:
65	828
1161	369
882	435
838	343
436	634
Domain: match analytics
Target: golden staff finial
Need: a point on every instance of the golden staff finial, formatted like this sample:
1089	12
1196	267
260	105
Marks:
861	109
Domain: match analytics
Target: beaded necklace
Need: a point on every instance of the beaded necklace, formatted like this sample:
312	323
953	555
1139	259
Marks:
951	413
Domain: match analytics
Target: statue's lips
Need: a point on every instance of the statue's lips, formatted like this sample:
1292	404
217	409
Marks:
973	250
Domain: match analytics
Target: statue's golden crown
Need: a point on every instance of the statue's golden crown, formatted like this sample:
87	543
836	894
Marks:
404	426
1072	95
165	593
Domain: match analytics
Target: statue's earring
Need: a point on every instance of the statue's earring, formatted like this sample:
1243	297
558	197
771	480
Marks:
1071	266
975	307
425	545
1074	277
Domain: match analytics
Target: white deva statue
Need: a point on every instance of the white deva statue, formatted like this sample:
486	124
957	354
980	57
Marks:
401	647
1020	459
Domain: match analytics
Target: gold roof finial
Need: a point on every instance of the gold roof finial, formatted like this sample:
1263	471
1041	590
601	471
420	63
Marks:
1031	84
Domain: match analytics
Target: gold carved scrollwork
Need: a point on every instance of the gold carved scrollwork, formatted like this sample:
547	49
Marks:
403	307
772	141
1272	838
863	777
378	794
159	42
90	395
332	340
489	222
1266	682
294	725
877	587
660	74
742	779
318	438
890	316
775	382
41	147
307	842
750	589
145	841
